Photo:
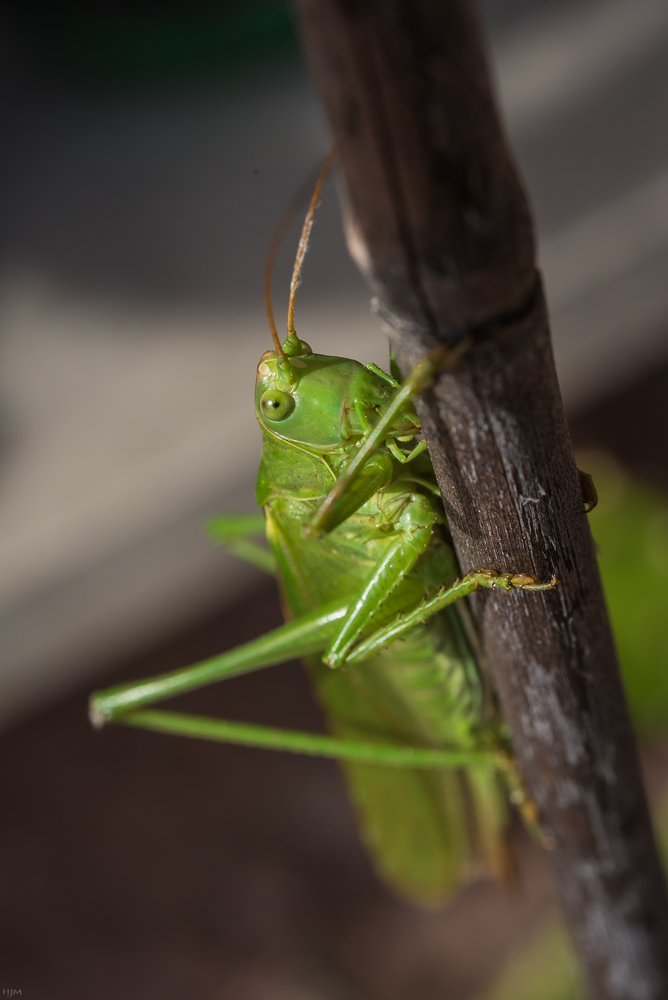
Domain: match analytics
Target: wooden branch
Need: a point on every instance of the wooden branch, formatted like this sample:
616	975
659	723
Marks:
437	220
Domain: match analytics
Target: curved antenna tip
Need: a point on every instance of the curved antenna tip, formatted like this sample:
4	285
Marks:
277	238
303	241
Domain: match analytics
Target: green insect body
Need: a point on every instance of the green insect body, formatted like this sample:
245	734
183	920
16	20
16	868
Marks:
359	541
425	828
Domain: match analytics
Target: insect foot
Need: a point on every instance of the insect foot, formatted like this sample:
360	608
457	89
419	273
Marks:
589	492
523	801
510	581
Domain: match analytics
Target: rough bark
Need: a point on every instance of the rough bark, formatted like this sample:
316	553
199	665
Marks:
438	222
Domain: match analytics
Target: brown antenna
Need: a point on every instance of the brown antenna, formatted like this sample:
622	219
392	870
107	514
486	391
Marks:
303	242
284	223
268	270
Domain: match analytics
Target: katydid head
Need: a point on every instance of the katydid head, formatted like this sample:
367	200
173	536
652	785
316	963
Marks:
313	401
316	401
304	398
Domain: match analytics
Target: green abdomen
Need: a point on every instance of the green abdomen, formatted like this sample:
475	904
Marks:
425	829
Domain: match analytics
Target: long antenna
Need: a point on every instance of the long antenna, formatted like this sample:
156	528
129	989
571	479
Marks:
303	242
282	226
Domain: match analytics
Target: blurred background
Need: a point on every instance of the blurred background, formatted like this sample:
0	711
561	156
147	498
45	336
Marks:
149	151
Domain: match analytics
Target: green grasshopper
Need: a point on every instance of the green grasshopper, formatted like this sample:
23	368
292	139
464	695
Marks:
359	542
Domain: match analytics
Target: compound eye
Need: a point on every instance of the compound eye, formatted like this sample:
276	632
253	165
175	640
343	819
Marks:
276	405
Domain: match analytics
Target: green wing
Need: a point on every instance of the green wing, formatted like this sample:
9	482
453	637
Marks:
426	830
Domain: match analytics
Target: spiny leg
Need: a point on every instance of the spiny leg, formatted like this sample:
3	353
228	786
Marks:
236	531
383	375
125	704
303	637
400	455
414	531
440	359
403	623
312	744
376	473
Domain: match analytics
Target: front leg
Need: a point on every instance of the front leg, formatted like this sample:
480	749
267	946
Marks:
440	359
414	531
448	594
